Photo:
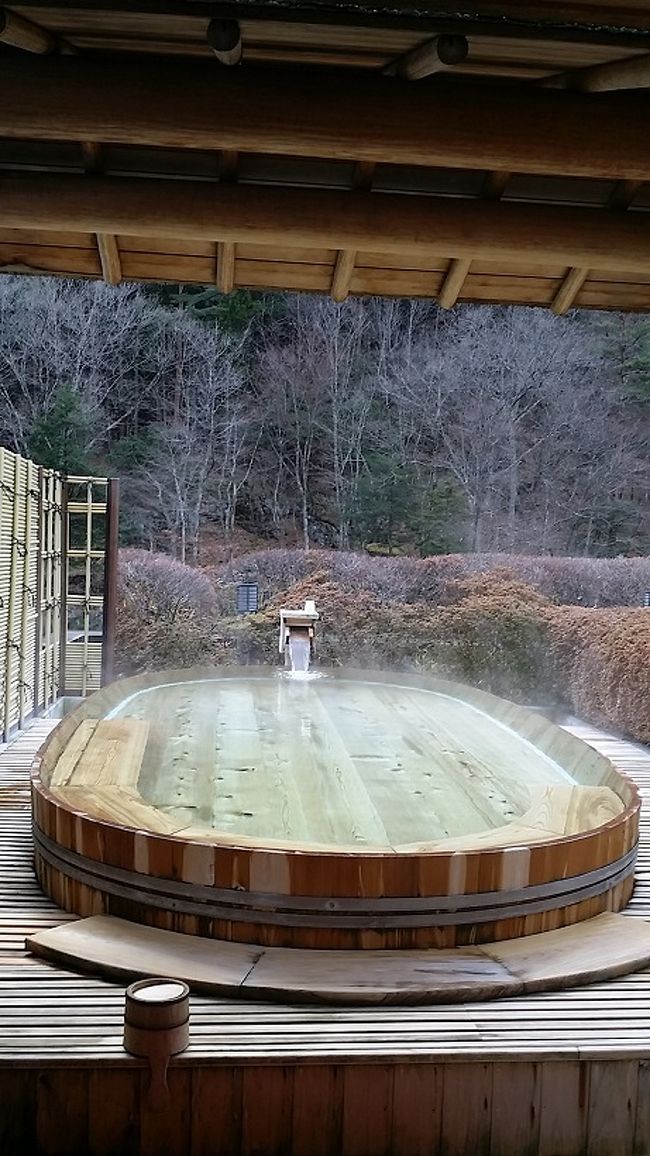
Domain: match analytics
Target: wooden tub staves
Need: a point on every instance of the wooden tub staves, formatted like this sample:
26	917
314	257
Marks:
110	838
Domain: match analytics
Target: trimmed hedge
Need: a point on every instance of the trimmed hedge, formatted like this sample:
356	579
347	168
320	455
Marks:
594	582
492	630
604	657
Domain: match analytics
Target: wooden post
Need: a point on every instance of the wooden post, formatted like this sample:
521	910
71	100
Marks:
11	600
41	584
63	638
111	547
57	583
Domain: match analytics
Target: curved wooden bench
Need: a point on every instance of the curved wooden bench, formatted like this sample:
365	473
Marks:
597	949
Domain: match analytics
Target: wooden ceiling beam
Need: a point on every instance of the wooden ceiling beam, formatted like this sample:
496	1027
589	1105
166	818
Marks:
436	55
18	32
320	218
547	24
615	76
176	104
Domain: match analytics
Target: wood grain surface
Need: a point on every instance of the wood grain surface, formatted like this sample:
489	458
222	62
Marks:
234	780
552	1072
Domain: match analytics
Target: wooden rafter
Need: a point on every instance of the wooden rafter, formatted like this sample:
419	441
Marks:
92	156
225	251
225	279
107	248
345	259
569	289
438	54
342	277
494	185
493	188
180	105
363	175
18	32
621	198
432	226
109	257
623	194
631	72
453	282
228	165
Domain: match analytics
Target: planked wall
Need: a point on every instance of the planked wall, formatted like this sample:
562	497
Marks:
562	1107
30	589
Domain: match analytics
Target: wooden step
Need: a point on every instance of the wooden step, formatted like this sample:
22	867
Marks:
595	950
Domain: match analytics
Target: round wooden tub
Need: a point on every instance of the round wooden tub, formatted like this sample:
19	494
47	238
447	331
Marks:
357	809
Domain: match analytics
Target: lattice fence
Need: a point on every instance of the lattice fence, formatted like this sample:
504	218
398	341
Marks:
58	547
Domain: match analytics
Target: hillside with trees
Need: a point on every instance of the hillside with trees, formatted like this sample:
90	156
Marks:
378	424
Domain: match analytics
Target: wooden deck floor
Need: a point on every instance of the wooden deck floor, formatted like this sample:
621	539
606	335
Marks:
49	1015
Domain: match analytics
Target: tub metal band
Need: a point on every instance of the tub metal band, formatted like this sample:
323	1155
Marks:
307	911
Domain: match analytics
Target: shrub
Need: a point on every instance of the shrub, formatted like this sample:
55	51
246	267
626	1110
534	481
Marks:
605	660
493	634
164	615
487	627
600	582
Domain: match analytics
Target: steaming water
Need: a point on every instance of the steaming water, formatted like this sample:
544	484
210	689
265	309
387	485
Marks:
334	760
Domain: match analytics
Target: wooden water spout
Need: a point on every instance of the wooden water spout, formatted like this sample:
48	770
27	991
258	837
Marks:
297	636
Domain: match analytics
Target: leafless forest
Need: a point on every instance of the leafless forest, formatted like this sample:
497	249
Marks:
381	424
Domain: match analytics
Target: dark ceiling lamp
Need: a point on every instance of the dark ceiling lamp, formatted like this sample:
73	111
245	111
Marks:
224	38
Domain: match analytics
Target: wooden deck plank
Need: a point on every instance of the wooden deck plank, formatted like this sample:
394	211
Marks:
49	1015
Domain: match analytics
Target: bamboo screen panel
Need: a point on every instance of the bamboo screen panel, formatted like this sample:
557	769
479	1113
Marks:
50	588
30	589
86	503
